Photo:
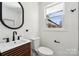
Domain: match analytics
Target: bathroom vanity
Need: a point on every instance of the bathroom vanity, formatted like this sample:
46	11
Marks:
17	48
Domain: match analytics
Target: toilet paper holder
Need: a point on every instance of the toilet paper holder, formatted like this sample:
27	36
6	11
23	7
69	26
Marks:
56	41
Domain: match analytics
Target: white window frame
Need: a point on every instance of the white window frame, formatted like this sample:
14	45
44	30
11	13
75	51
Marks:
55	29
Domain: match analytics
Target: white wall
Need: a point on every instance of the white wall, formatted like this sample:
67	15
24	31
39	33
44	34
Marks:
30	23
68	37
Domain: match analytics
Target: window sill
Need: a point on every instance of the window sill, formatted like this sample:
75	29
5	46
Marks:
56	29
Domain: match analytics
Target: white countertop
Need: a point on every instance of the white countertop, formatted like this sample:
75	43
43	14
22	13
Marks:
10	45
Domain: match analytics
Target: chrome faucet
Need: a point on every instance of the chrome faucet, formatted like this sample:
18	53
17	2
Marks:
14	32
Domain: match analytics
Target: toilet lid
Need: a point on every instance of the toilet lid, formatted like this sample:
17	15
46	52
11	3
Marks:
45	51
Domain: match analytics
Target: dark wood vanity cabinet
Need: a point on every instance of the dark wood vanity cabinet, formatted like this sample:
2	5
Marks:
23	50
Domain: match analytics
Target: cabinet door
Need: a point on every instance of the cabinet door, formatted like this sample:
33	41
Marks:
23	50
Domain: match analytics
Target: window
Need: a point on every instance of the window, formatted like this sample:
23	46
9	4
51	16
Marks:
54	15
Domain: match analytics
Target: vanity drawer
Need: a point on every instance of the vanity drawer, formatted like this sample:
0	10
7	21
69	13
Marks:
23	50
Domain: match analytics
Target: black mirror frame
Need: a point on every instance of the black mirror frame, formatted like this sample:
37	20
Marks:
7	25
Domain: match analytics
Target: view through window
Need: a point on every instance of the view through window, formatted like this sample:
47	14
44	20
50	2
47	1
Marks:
54	15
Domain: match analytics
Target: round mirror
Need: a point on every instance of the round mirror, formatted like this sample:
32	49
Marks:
12	15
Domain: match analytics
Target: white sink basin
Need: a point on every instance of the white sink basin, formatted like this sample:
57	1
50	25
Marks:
7	46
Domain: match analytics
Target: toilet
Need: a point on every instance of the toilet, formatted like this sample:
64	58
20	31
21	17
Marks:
40	50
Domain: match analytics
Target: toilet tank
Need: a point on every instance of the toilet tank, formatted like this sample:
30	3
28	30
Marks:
35	42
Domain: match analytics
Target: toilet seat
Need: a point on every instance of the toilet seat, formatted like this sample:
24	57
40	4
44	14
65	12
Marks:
45	51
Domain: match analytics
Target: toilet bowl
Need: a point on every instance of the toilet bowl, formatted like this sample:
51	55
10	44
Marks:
41	51
44	51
